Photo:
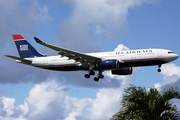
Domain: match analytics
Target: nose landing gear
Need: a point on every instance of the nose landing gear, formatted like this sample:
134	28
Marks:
159	69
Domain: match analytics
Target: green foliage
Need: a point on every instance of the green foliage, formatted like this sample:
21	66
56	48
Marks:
138	103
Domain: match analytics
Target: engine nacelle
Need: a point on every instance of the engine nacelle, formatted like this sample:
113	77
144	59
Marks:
124	71
108	64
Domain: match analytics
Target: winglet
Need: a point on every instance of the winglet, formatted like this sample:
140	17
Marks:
37	40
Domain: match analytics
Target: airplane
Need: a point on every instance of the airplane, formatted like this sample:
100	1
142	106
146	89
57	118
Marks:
119	62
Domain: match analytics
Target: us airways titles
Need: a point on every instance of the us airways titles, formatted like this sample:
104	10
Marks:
134	52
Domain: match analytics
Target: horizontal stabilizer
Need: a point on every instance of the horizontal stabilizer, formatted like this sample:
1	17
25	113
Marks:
25	61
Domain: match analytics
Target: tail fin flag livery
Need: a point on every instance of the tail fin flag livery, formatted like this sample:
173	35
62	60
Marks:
25	49
119	62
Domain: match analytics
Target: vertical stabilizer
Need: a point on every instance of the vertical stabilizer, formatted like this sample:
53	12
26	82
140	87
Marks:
25	49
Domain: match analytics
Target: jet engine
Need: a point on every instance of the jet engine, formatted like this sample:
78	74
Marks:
108	64
124	71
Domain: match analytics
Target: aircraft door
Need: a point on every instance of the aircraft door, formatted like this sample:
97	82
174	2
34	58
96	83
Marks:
46	61
159	53
133	55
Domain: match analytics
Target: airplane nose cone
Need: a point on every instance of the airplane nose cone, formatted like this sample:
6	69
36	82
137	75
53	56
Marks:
176	56
172	57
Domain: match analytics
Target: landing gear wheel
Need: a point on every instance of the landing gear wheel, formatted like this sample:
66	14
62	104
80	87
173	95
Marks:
87	76
92	73
101	76
96	79
159	70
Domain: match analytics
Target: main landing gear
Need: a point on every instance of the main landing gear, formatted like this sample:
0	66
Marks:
90	73
100	76
159	68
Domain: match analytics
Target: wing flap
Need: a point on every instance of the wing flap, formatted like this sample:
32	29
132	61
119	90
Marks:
77	56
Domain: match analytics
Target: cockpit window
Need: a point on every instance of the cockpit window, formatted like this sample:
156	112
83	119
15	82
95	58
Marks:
170	52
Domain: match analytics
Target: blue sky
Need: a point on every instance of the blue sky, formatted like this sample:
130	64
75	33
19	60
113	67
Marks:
86	26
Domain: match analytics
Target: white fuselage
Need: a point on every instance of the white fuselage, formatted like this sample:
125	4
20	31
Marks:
129	58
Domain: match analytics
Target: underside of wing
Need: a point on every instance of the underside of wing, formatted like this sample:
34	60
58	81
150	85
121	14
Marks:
85	59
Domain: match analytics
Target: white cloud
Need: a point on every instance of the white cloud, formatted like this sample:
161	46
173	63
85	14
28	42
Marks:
171	78
106	103
45	98
14	16
75	107
121	47
170	69
108	14
40	14
94	19
8	105
24	108
50	101
171	74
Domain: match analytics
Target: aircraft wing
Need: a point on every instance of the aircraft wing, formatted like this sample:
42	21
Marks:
25	61
77	56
